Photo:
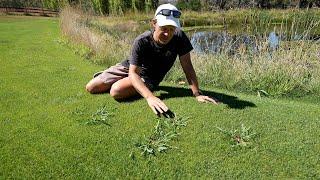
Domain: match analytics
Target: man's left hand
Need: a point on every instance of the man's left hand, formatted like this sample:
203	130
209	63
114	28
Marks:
207	99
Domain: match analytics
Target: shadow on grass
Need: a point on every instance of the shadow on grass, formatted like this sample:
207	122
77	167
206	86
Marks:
230	101
173	92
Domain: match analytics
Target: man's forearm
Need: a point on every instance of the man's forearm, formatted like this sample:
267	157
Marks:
194	86
192	80
190	73
139	85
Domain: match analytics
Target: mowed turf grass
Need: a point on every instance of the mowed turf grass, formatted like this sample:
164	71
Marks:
44	107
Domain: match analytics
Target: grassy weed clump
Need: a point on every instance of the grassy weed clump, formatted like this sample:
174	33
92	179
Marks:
101	116
242	137
163	134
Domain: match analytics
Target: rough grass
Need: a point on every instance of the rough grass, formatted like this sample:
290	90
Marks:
284	74
45	109
103	44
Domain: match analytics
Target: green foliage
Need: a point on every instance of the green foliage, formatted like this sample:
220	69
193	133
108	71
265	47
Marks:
100	6
120	7
55	4
133	5
194	5
21	3
116	7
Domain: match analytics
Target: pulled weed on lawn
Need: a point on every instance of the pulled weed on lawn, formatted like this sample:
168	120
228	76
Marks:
101	116
165	131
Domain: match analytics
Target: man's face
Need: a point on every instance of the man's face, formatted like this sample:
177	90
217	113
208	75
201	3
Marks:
163	34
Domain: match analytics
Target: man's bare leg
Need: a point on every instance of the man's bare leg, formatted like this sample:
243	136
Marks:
96	85
123	89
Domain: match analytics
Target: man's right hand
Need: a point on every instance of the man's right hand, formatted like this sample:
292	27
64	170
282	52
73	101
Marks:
157	106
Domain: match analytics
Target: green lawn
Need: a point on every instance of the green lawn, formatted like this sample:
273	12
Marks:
44	109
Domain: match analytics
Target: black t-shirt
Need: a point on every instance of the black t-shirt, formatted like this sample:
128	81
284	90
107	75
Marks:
155	60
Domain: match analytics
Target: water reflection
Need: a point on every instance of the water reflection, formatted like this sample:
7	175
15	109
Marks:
218	42
273	41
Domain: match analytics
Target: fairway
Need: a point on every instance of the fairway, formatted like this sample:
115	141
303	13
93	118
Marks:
46	116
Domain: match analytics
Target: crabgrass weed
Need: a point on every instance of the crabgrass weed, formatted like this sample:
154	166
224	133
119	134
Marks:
242	137
165	131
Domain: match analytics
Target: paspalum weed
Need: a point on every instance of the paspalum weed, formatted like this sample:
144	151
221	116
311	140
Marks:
164	132
101	116
242	137
157	141
177	123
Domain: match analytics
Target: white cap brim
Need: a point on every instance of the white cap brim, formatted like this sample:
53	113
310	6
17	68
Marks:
167	20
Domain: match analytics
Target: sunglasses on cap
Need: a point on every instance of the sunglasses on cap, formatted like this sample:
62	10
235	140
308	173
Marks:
168	12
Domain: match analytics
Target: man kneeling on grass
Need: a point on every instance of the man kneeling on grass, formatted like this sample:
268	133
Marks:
153	54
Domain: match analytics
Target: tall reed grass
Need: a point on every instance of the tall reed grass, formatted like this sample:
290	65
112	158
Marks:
291	69
105	47
285	73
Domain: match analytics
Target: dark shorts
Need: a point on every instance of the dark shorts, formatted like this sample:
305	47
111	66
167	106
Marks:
117	72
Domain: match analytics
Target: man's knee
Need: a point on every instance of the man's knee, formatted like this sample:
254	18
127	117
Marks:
90	88
116	91
94	87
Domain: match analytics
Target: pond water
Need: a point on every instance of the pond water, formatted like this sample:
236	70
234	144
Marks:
218	41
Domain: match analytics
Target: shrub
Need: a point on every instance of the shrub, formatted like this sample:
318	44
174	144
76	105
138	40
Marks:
194	5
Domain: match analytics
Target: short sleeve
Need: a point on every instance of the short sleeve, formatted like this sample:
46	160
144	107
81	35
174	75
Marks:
136	53
184	44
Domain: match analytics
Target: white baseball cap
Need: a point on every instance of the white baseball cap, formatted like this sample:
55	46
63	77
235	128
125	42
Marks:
164	19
